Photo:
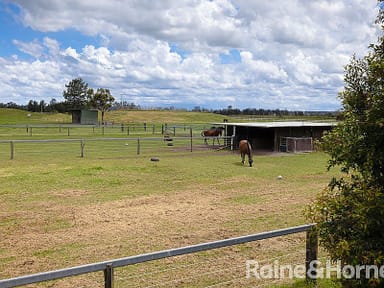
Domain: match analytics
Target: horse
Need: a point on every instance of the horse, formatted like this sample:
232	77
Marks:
246	148
212	132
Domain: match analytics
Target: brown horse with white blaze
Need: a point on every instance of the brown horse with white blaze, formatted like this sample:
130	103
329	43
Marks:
246	149
213	133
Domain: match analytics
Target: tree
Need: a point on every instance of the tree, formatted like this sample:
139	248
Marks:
350	212
33	106
102	100
75	94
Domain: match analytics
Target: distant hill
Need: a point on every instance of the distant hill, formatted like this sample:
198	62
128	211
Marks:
162	116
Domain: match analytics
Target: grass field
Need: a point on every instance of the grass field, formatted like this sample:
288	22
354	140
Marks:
18	124
15	116
58	210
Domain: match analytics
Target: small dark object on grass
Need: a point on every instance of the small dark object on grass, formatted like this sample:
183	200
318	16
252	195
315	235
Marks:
155	159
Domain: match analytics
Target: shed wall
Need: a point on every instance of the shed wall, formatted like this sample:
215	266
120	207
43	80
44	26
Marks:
269	138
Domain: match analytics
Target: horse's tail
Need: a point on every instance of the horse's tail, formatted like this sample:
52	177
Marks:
221	129
249	151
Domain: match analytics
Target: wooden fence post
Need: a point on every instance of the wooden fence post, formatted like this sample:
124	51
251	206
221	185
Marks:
138	146
12	150
82	144
190	133
311	250
108	276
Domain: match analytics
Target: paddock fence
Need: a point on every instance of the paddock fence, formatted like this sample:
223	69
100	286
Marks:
108	129
109	147
108	267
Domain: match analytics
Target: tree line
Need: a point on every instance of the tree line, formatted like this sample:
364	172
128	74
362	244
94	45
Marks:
78	95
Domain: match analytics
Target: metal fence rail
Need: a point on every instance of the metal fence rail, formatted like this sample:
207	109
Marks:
108	266
106	129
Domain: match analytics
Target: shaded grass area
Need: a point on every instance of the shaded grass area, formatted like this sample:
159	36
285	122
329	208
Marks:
59	212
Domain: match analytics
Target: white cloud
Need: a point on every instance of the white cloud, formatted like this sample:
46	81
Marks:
52	45
169	51
33	48
71	53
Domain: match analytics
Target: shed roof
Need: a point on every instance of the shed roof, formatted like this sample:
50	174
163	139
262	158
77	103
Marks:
281	124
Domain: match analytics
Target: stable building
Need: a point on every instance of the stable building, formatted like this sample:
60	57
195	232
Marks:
283	136
85	117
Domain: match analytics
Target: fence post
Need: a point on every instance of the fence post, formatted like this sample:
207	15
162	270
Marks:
82	144
68	131
190	133
138	146
108	276
12	150
153	129
311	249
233	138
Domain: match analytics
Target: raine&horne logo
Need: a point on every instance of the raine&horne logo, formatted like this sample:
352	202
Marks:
315	271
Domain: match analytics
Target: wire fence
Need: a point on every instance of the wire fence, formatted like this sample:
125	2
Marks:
225	267
221	263
108	147
121	130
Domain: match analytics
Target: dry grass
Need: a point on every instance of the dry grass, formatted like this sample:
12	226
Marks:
96	210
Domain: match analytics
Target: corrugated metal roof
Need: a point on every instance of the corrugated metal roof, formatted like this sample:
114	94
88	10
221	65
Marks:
281	124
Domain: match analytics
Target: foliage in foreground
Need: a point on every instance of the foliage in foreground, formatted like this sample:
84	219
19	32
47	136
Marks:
350	212
323	283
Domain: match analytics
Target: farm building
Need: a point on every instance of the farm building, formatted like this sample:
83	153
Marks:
85	117
287	136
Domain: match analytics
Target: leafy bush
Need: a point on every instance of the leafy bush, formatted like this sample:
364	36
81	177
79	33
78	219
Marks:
350	212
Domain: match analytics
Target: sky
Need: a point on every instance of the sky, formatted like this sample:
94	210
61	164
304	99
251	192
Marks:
185	53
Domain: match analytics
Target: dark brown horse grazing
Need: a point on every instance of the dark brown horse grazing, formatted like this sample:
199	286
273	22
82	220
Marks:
212	132
246	148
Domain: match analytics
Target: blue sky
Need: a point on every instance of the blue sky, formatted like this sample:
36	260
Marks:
185	53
